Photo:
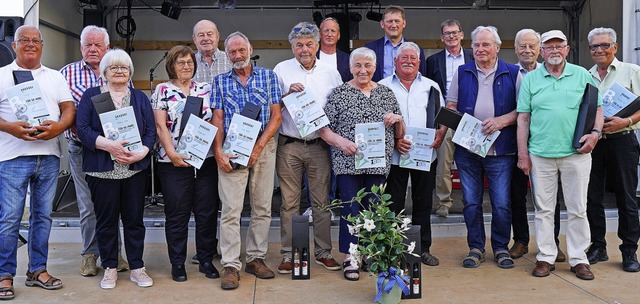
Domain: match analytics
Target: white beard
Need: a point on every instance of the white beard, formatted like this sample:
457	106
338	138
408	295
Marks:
555	60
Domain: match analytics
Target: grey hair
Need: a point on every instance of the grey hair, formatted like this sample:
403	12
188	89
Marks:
236	34
491	29
330	19
94	29
450	22
523	32
24	27
407	45
112	57
304	29
362	52
602	31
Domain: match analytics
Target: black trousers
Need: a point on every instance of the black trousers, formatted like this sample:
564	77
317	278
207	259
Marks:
519	221
115	199
186	190
621	154
422	184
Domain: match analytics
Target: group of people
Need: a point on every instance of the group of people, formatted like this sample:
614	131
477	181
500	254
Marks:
533	105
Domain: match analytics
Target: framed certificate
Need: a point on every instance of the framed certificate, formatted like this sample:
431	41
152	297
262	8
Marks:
371	144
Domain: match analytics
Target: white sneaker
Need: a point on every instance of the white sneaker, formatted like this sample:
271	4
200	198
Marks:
109	279
141	277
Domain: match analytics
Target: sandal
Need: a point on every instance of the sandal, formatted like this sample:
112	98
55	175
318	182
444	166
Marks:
7	290
473	260
347	272
33	280
504	260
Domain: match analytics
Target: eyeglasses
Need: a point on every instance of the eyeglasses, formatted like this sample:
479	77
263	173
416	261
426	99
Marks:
603	46
24	41
309	28
116	69
553	47
451	33
184	63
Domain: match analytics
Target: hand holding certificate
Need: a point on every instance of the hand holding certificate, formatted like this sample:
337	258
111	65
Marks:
121	125
420	155
306	112
241	138
196	140
371	144
27	103
618	101
469	135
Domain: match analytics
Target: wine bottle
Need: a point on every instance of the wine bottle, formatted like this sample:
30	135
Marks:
416	278
305	263
296	263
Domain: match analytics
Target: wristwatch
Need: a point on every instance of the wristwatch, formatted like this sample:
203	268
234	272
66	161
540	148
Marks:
598	132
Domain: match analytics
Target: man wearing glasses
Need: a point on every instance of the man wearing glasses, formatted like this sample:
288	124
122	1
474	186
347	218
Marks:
548	105
615	156
393	23
30	155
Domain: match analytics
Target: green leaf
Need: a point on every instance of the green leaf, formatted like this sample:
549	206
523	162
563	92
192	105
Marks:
386	197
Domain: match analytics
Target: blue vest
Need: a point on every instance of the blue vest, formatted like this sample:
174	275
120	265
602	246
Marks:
504	99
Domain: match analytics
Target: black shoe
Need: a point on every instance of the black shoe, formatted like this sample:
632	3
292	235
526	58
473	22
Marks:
194	259
597	254
178	273
630	261
209	270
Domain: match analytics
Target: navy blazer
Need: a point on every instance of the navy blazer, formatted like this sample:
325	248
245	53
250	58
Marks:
378	47
437	68
342	61
89	128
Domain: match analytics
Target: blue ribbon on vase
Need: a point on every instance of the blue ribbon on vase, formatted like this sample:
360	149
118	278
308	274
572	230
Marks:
394	278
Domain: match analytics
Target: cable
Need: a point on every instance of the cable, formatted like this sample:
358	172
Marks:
28	11
127	30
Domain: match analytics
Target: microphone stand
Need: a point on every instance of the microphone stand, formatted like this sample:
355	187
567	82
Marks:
154	198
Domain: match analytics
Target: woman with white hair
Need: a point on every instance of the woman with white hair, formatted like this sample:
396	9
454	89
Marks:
116	176
359	100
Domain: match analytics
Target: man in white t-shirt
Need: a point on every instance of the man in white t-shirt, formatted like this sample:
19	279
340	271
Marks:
329	53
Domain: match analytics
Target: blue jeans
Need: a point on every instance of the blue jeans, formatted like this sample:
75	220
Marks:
498	169
40	174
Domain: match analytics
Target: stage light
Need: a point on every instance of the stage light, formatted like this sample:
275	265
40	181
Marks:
170	10
373	16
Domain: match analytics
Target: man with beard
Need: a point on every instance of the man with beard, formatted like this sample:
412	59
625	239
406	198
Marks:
548	105
231	92
297	154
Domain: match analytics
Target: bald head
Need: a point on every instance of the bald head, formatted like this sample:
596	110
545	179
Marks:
24	28
206	37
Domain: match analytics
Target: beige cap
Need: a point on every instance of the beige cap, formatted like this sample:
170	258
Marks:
553	34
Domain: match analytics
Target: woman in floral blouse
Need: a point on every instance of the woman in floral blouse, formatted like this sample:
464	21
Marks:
184	188
358	101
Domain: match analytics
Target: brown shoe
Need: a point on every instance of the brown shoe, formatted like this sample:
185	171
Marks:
258	268
543	269
561	257
329	263
518	250
583	271
230	278
285	266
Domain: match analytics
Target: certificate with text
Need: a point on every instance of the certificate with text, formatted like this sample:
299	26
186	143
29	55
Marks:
420	155
616	99
371	144
241	137
306	112
27	103
469	135
120	125
196	140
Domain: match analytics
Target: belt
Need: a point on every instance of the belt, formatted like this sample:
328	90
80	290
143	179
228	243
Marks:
616	135
288	140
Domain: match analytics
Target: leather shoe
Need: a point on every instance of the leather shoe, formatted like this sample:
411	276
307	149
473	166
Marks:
597	254
518	250
561	257
209	270
258	268
230	278
543	269
178	273
630	262
583	271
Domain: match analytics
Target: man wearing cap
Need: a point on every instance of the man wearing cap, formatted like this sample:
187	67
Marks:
618	151
548	105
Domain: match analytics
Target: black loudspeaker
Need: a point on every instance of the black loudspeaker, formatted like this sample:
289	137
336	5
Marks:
8	27
92	17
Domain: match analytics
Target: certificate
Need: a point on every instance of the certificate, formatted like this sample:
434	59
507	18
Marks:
420	154
196	140
121	125
371	143
617	99
27	103
306	112
469	135
241	137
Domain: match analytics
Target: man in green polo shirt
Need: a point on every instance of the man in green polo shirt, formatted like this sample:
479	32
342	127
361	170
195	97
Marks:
548	105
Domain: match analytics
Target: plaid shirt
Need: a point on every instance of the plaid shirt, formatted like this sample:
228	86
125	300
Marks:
80	77
229	95
206	73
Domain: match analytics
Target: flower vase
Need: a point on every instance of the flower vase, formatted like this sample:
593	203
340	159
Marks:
393	297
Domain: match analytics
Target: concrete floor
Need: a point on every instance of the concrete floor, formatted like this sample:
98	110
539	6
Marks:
447	283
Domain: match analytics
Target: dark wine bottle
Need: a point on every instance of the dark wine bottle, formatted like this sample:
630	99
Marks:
304	262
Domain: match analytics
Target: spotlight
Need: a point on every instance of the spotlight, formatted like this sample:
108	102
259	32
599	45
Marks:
317	18
355	17
373	16
170	10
